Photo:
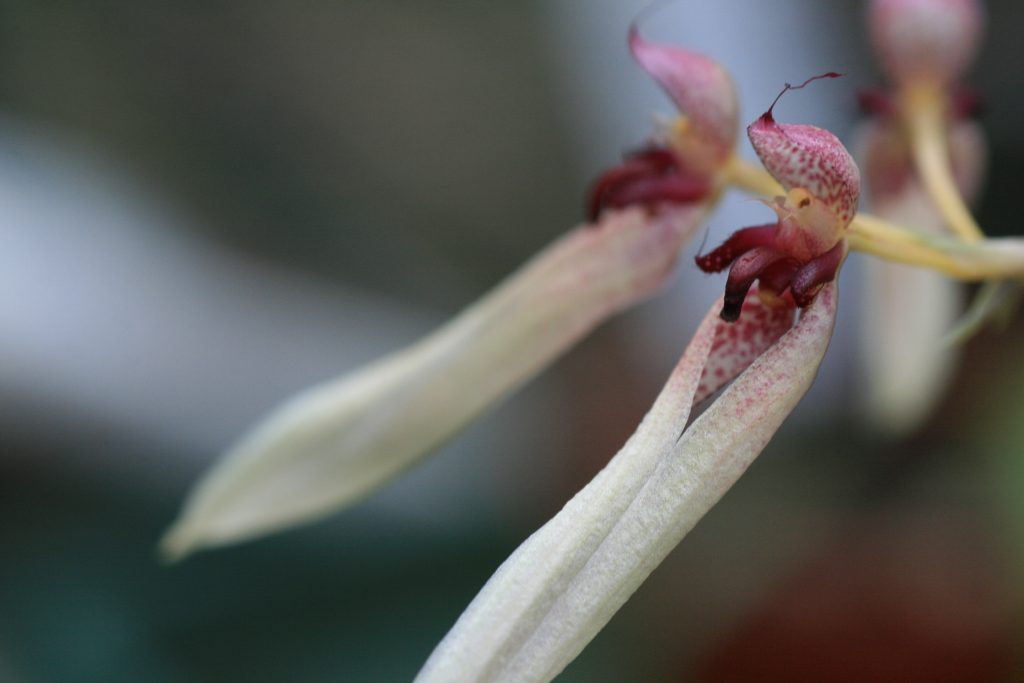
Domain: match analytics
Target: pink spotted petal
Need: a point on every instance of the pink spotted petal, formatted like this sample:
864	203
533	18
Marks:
700	88
736	345
926	40
809	157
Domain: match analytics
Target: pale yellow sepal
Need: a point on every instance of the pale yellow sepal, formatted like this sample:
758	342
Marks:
339	441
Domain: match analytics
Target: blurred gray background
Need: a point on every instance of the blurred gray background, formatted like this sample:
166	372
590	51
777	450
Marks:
208	206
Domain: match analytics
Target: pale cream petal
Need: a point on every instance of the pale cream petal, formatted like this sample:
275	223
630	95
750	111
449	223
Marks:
564	583
337	442
906	312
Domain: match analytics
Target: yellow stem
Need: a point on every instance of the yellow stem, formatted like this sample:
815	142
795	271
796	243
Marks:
924	113
974	261
750	177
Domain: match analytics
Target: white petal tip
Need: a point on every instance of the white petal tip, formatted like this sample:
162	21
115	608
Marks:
177	543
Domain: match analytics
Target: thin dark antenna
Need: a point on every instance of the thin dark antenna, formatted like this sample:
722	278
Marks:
830	74
704	241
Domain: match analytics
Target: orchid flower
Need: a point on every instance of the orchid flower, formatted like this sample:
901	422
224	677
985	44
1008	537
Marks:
337	442
747	365
564	583
925	46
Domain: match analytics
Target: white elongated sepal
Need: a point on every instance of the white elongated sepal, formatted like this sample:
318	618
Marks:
564	583
906	311
337	442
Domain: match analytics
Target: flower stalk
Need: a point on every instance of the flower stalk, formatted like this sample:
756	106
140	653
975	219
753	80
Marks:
924	114
999	258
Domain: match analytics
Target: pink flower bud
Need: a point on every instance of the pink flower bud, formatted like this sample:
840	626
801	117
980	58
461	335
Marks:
925	40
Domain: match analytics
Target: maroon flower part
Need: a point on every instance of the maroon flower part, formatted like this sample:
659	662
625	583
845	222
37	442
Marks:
652	175
965	103
683	166
804	247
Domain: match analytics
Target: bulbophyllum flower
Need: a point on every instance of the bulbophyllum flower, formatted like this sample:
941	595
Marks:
925	47
337	442
804	248
564	583
907	311
923	156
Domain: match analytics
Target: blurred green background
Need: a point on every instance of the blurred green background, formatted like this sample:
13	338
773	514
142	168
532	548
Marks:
211	205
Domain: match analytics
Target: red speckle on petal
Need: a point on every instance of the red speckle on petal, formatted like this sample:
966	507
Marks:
808	157
812	158
737	345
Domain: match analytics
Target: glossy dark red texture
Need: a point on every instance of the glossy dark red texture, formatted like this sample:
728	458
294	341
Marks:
648	177
753	254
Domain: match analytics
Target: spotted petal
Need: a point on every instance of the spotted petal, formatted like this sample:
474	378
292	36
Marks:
701	89
803	156
564	583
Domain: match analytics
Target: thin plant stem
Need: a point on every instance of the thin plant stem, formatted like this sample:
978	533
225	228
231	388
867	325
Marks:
980	260
923	112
